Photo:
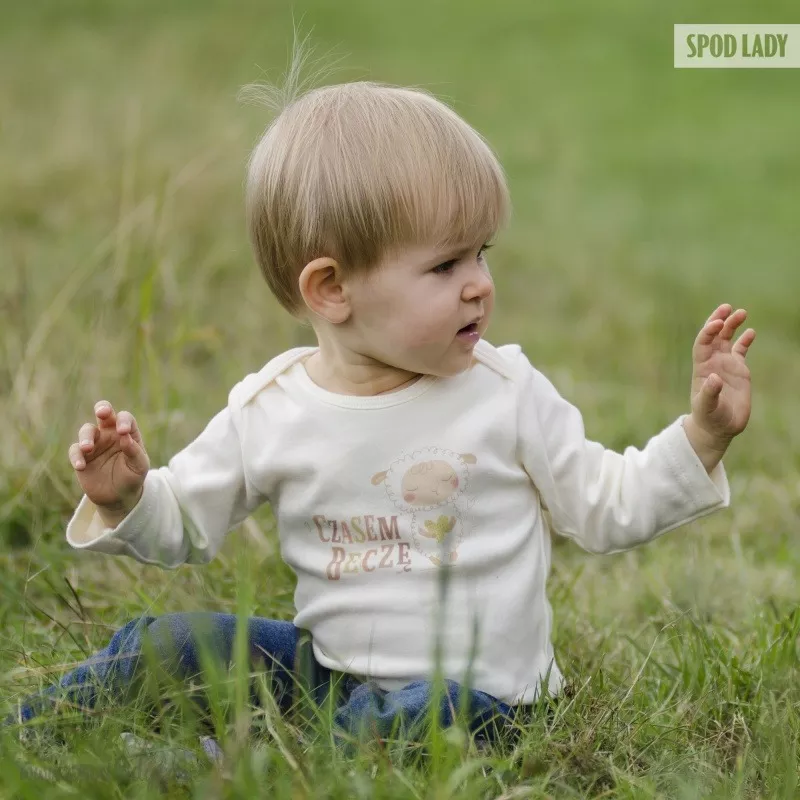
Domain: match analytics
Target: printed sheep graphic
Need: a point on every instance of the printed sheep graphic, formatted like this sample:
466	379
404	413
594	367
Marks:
431	480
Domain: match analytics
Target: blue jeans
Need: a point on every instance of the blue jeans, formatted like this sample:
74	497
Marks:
180	642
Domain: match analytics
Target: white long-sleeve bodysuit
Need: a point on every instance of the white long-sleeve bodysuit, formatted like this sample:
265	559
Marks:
374	496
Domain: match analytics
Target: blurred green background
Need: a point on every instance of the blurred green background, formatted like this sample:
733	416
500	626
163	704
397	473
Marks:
643	197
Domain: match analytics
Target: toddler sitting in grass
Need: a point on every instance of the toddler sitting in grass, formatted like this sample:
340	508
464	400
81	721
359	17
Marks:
403	449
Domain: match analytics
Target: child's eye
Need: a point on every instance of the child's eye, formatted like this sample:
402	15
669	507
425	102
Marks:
447	266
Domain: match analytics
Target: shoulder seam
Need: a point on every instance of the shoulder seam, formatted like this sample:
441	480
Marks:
261	379
489	355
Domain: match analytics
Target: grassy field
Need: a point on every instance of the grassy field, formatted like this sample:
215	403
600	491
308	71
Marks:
643	197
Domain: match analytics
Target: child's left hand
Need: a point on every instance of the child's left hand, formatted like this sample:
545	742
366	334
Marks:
720	393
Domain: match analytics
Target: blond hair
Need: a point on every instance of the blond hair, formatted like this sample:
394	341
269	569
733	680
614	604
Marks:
355	171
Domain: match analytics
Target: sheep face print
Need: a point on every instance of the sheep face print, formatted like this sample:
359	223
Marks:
429	488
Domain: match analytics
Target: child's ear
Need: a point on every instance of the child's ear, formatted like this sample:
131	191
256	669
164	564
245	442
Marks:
322	289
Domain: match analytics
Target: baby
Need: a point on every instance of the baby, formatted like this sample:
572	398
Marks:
404	448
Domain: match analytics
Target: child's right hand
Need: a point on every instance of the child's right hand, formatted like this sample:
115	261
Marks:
110	462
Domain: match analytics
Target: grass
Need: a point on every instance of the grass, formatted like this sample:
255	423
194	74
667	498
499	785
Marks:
644	196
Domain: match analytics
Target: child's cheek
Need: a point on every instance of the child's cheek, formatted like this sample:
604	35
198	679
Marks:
409	497
454	483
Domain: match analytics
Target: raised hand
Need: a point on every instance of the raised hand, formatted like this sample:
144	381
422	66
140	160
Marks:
110	461
720	393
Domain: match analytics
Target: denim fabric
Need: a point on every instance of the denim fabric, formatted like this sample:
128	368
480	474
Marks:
181	641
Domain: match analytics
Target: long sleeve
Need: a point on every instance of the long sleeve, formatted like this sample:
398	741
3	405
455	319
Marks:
606	501
186	508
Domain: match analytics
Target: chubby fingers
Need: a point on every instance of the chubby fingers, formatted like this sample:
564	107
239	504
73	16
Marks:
710	331
87	436
721	312
723	323
744	342
127	424
732	323
106	416
76	456
713	325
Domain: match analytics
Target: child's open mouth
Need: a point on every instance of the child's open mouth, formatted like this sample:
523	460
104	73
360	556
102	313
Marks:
469	333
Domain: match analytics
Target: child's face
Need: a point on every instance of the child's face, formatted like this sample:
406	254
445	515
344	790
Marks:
409	311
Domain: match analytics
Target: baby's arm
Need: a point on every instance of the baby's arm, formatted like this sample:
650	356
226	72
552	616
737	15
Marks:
185	508
604	500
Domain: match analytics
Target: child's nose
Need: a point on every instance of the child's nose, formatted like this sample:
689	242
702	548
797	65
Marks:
480	284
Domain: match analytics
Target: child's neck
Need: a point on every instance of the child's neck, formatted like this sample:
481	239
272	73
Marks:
362	380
